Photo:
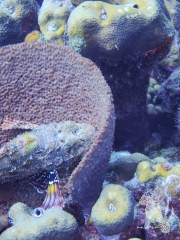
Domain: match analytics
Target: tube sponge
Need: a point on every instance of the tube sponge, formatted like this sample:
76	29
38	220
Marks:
114	210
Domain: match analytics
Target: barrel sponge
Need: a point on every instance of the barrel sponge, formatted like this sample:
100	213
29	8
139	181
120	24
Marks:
52	19
125	163
44	83
114	210
146	171
102	29
54	224
17	19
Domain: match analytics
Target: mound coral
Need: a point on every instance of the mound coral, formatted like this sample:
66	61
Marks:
108	30
125	41
54	223
44	83
52	18
114	210
17	19
125	164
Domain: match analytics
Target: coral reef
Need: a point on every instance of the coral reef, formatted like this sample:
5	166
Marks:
65	173
125	164
55	145
157	214
118	210
41	84
54	223
160	219
17	19
52	18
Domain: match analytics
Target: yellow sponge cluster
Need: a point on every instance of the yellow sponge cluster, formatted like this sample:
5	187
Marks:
98	28
114	210
146	171
33	36
52	19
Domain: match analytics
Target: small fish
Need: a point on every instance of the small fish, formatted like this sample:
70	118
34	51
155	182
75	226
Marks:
49	180
58	146
53	196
